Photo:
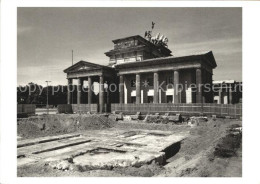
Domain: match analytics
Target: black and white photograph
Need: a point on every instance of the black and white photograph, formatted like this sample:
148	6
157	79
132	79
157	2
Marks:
129	92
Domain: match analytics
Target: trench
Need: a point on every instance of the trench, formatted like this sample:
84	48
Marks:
61	147
157	134
172	150
46	140
131	133
130	144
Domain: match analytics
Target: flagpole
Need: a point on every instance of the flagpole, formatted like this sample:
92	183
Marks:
72	79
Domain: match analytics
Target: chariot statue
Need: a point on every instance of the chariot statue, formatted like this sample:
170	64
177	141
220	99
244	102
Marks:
158	39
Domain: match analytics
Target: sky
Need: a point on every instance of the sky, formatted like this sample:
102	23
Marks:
46	37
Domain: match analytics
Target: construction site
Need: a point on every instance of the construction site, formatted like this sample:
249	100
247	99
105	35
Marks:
147	113
120	145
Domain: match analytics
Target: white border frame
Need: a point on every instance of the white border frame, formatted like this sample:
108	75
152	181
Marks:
8	73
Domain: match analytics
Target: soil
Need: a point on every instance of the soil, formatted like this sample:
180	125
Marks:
45	125
197	156
211	150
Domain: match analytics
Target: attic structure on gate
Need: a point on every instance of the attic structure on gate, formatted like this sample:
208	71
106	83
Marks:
146	71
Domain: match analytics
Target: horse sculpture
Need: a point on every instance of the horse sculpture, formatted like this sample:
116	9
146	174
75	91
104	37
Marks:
157	40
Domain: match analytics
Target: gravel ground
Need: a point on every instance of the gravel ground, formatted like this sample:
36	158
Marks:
195	158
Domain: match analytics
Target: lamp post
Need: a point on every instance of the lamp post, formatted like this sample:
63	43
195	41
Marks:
47	96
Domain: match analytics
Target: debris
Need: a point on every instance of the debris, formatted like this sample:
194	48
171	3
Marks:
196	120
119	116
61	165
156	119
137	116
127	118
214	117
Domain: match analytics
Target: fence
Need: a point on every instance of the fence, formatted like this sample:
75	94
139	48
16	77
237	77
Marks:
25	109
84	108
184	109
81	108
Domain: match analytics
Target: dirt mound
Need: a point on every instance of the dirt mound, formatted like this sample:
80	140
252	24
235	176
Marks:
228	145
60	124
208	151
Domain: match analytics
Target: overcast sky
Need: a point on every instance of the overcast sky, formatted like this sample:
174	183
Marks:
46	37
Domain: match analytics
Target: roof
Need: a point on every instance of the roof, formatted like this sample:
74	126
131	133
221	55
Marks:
140	38
85	66
208	57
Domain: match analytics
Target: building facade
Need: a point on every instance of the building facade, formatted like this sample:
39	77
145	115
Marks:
227	92
146	72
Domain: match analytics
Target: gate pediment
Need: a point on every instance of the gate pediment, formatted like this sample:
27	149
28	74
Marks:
82	66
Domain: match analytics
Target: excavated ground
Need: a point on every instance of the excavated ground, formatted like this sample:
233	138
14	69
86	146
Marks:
92	145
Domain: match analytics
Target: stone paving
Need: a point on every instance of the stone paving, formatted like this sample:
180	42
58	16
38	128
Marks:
97	149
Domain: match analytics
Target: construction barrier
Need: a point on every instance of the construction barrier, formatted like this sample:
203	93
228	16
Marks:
25	110
221	110
84	108
64	108
75	108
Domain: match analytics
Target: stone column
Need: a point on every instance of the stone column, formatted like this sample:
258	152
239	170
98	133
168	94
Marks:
199	85
79	90
69	91
138	89
175	85
101	94
121	89
220	95
108	98
211	88
155	87
90	90
230	95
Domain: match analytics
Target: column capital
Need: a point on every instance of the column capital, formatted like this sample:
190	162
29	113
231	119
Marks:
119	74
198	68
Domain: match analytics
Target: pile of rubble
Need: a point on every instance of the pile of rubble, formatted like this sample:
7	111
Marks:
150	118
195	121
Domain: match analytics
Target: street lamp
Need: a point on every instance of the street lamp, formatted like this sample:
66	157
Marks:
47	96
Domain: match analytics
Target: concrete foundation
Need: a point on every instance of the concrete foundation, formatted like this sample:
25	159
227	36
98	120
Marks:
100	149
